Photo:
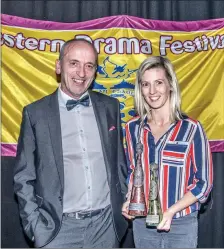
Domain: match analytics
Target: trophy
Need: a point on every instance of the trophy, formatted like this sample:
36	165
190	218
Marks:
137	206
154	215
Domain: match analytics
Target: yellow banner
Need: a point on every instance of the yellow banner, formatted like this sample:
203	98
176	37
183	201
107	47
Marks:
29	54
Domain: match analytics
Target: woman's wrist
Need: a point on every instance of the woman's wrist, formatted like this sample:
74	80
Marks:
170	211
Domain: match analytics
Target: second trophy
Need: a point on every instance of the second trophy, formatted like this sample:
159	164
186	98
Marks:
154	215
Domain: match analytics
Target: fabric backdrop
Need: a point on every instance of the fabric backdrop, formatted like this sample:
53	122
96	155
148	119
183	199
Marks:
30	48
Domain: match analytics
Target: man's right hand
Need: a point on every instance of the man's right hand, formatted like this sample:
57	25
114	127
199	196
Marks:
125	209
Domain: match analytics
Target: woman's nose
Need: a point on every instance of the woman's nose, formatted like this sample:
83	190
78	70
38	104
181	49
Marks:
152	89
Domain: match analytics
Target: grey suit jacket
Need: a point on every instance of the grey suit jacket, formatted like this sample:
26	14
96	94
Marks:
39	172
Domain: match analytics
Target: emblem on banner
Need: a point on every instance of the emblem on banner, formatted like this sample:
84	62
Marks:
116	80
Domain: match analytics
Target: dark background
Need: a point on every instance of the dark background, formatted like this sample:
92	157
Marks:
211	220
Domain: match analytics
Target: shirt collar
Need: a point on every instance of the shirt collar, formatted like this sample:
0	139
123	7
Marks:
145	123
63	97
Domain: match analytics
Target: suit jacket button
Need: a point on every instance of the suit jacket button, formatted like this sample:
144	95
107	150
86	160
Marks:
60	199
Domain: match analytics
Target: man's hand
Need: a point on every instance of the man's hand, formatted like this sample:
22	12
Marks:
125	209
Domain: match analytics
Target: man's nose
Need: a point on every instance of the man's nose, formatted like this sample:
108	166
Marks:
81	71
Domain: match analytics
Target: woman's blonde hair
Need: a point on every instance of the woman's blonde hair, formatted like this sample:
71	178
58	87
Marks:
141	105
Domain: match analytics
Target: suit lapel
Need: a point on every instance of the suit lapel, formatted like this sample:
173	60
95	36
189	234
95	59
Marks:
102	122
55	134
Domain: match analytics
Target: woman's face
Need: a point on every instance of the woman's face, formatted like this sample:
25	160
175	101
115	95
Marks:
156	88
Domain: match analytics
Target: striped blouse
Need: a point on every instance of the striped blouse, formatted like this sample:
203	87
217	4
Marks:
184	158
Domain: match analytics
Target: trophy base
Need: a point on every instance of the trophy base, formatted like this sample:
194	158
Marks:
151	225
137	209
152	220
137	214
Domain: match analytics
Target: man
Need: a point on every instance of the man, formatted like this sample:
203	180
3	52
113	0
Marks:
70	168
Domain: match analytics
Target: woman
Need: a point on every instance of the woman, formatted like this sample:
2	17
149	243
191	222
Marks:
178	145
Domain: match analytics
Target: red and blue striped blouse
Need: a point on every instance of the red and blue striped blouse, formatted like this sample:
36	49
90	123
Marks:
184	158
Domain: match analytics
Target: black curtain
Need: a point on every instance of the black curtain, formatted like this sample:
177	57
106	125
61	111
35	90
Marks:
82	10
211	221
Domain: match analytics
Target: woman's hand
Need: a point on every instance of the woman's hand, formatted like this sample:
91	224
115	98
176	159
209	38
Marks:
125	209
166	221
187	200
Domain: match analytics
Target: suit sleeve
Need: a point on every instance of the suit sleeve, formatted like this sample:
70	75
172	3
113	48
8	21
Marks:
122	166
25	176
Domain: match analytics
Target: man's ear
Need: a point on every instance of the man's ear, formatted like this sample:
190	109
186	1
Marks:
58	67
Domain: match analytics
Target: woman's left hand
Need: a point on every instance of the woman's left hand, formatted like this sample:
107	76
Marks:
166	221
184	202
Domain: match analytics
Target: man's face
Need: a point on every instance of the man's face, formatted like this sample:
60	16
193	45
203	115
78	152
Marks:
77	68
